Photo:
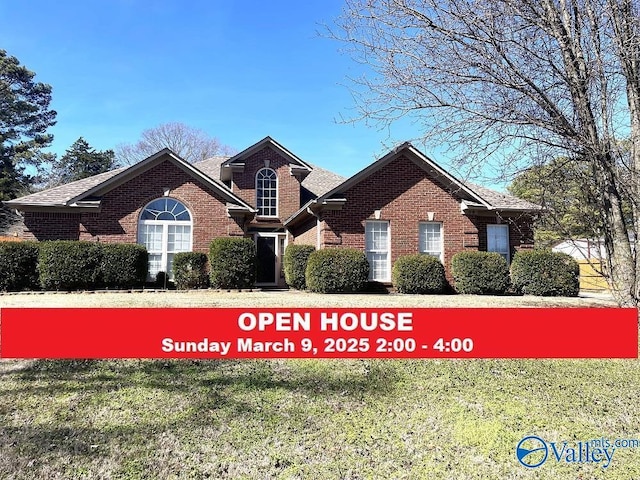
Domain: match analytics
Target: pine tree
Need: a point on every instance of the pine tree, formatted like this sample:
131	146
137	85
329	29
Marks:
24	119
80	161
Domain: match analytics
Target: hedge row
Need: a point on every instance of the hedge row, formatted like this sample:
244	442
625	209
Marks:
70	265
418	274
18	266
480	273
295	265
190	270
533	272
232	263
545	273
340	270
124	265
78	265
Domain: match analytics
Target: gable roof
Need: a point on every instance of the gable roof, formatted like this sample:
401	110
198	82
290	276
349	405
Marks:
211	166
473	196
317	182
320	181
421	160
319	186
61	195
502	201
87	192
238	159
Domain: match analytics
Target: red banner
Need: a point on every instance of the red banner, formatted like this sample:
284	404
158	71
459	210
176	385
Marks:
319	333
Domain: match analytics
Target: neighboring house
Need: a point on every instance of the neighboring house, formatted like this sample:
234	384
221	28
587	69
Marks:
403	203
582	248
589	254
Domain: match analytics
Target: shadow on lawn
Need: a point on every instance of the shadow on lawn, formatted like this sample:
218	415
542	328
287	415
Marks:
101	411
314	377
47	451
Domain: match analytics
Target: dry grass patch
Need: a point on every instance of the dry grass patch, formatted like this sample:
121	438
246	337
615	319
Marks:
311	419
211	298
306	419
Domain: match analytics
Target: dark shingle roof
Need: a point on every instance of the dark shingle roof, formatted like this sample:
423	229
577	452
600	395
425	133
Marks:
60	195
501	201
63	195
320	181
317	183
211	166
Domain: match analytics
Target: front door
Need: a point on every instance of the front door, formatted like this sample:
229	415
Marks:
269	249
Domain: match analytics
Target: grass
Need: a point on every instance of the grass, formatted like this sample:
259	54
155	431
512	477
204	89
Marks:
208	298
307	419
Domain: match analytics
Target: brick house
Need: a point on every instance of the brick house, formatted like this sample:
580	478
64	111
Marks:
401	204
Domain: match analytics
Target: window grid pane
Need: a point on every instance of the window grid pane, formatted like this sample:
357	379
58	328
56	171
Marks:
164	229
377	249
378	265
431	239
267	193
152	237
165	209
179	238
498	240
155	264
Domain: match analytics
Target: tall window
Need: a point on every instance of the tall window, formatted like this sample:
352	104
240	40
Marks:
164	229
267	193
377	248
498	240
431	239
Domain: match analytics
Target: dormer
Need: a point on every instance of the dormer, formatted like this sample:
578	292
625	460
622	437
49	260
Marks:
236	164
267	176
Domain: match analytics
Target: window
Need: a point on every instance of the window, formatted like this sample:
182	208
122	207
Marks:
498	240
377	246
431	239
164	229
267	193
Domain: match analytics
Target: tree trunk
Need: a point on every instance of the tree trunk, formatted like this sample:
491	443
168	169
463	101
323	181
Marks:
621	264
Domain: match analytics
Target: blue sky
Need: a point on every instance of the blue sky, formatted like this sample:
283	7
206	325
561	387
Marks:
239	70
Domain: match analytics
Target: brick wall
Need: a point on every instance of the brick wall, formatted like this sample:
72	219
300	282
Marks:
244	184
121	207
51	226
405	195
306	234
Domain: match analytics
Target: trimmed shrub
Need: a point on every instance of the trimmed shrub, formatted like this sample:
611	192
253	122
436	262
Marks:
480	273
69	264
419	274
123	265
545	273
190	270
18	266
339	270
232	263
162	280
295	264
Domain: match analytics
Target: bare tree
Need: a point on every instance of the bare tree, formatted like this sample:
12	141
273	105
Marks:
190	143
520	81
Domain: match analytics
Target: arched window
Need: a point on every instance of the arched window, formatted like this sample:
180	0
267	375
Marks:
267	193
164	229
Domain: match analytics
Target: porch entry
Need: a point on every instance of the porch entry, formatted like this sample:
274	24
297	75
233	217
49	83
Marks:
270	249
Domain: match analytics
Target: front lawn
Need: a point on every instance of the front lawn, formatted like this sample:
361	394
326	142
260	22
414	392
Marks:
306	419
210	298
